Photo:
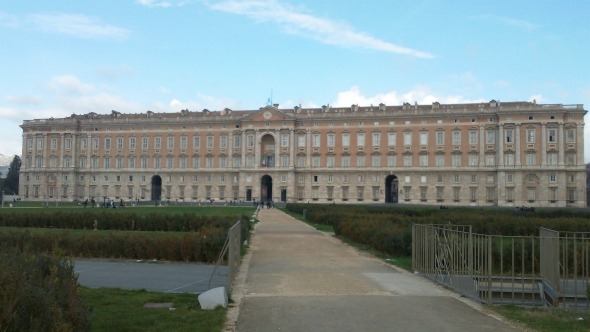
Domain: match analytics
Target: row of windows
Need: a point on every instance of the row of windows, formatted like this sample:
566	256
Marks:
408	160
316	140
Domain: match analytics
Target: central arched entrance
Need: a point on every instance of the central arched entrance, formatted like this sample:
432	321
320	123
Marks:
391	189
156	188
266	188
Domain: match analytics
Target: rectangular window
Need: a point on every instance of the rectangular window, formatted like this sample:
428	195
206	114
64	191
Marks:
531	159
510	194
473	194
83	144
376	139
570	136
144	162
509	135
331	140
95	142
456	138
391	161
407	160
197	142
183	142
456	160
391	139
360	161
490	137
530	136
315	140
552	135
107	143
509	159
408	138
423	138
423	160
157	143
301	141
208	162
182	162
346	139
284	161
315	161
250	141
473	160
210	142
552	159
456	193
345	161
119	143
237	141
157	160
473	137
440	138
360	139
144	143
68	143
376	161
132	143
119	162
170	142
107	162
490	160
284	140
439	160
330	161
223	142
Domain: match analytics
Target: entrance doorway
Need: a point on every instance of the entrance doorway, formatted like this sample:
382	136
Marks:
156	188
266	188
391	189
248	195
283	195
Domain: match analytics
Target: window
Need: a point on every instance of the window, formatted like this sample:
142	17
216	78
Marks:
570	135
237	141
345	161
423	138
407	138
331	140
456	160
157	143
423	160
473	194
95	142
315	140
284	140
183	142
360	139
119	162
197	142
407	160
552	135
107	143
530	135
170	142
360	161
346	139
223	142
553	177
182	162
490	160
473	137
250	141
237	160
106	162
144	143
119	142
552	158
456	193
456	178
315	161
509	159
391	161
208	162
473	160
144	162
491	194
531	159
376	161
509	135
157	160
490	137
285	160
132	143
440	138
439	160
83	144
131	162
570	159
456	138
391	139
509	178
376	139
210	142
68	143
301	141
552	194
330	161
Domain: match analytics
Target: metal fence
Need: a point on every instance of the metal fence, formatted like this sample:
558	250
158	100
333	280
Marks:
545	270
232	250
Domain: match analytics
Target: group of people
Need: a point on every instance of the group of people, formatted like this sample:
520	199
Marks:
262	204
108	203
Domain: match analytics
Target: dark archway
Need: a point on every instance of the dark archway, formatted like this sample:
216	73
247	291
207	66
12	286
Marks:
266	188
391	189
156	188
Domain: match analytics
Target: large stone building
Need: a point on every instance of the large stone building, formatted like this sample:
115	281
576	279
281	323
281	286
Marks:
481	154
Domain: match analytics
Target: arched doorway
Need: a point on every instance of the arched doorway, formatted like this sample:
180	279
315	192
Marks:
156	188
267	149
266	188
391	189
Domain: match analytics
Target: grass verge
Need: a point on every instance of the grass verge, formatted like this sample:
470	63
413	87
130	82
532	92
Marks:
546	319
123	310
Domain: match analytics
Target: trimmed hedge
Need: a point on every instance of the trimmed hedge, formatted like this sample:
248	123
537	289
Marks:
389	228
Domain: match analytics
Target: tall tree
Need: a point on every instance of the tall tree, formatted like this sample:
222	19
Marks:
11	181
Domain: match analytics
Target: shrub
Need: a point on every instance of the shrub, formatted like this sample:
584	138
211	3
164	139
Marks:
39	293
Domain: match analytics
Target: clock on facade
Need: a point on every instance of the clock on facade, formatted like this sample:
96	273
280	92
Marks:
267	115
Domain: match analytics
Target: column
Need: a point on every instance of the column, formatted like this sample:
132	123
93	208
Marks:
257	151
61	150
291	147
308	150
517	145
482	146
243	161
24	153
543	143
89	150
277	148
580	144
561	143
230	150
501	145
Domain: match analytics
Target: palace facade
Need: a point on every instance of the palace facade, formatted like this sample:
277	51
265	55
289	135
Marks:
480	154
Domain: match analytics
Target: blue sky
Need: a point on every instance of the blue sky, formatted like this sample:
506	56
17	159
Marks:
63	57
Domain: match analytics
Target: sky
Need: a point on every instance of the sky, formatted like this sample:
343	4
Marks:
62	57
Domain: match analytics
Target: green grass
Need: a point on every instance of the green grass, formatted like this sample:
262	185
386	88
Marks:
546	319
123	310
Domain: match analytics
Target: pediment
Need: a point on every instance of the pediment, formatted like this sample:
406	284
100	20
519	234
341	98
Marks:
268	113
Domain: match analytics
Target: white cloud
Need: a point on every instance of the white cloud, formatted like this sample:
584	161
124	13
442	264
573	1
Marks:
69	84
116	72
23	100
419	94
508	21
321	29
80	26
162	4
8	20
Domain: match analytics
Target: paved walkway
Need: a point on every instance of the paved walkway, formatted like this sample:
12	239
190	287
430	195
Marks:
295	278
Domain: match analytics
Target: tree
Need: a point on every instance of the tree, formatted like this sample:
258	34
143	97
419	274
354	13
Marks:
10	184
